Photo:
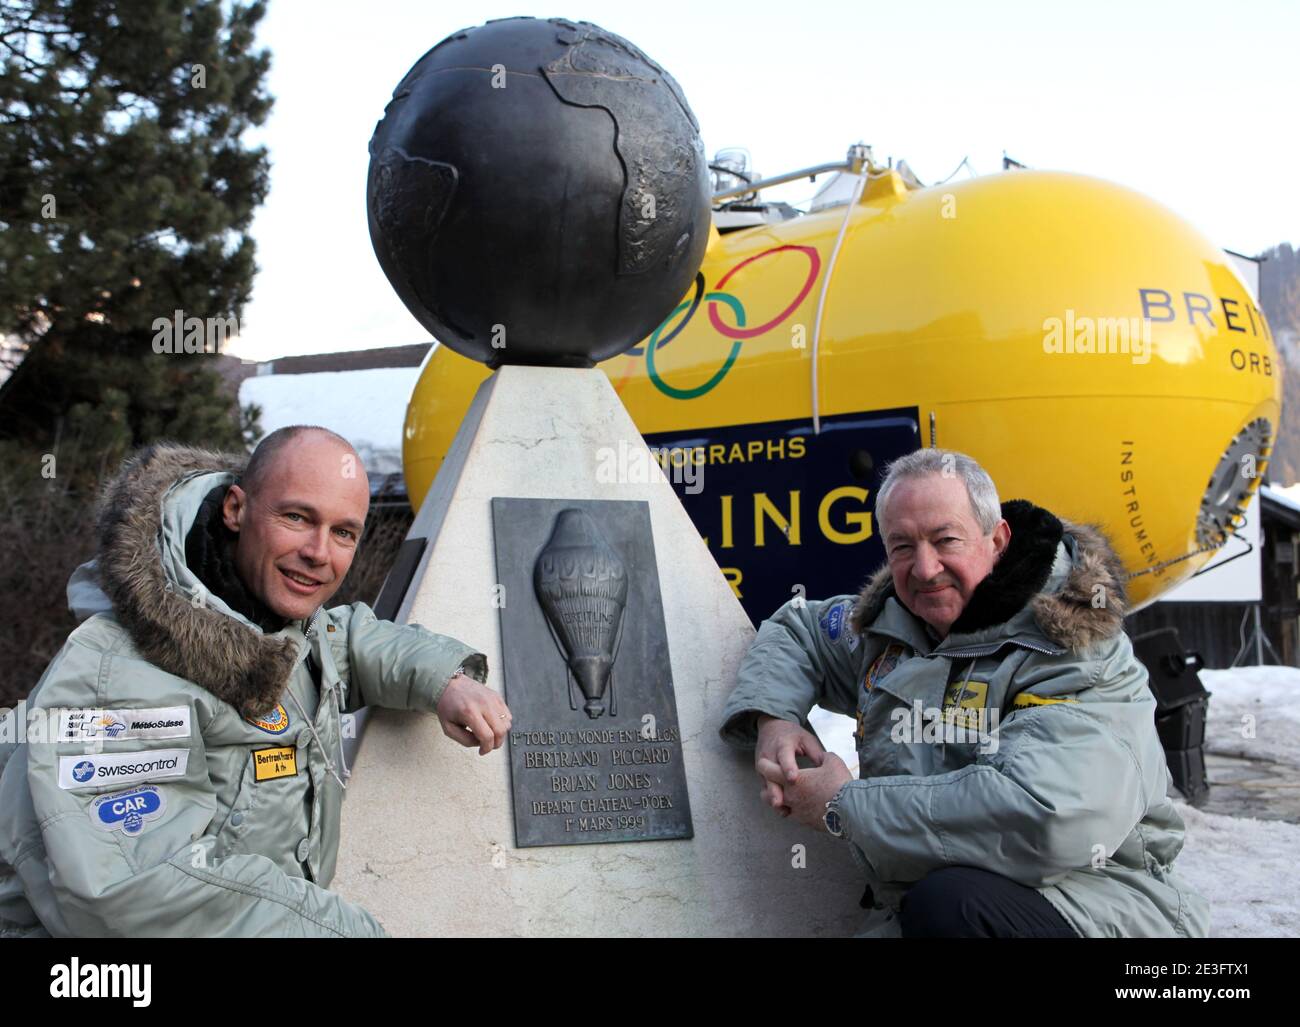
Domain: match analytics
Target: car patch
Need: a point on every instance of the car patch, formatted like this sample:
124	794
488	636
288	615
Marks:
835	625
832	621
130	812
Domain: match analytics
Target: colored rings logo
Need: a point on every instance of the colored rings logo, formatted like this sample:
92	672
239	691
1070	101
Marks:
738	332
274	723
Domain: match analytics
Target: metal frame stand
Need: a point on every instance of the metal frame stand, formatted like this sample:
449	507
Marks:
1257	638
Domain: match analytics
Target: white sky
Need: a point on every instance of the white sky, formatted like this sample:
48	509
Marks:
1190	102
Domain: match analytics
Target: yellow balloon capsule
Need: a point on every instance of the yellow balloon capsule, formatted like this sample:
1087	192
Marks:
1097	354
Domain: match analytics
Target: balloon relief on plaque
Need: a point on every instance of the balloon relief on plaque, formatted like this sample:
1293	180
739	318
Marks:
581	585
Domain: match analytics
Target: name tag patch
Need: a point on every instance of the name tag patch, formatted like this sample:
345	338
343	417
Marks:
1025	699
77	725
110	768
129	812
281	761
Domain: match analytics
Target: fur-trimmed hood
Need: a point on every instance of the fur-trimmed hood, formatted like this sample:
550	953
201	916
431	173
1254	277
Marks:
229	658
1069	616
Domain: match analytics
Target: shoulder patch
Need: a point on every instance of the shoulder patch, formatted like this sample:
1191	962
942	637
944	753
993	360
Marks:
274	723
835	625
884	664
832	622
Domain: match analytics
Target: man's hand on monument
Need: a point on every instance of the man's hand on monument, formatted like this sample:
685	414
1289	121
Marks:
807	795
780	744
473	714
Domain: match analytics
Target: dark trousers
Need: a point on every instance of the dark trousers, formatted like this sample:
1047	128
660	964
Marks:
963	902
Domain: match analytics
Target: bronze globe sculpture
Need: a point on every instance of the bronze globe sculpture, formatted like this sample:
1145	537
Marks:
538	193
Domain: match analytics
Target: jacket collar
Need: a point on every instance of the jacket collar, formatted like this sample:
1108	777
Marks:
1046	582
138	562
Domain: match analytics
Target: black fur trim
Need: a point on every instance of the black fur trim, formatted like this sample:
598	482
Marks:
1021	572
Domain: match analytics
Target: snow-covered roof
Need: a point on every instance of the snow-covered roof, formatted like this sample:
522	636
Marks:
1288	496
367	407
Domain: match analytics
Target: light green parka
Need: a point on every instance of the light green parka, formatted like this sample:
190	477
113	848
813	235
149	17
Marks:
1022	743
189	774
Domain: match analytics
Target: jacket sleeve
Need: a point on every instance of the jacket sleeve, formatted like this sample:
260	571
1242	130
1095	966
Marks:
164	880
400	666
1067	780
805	654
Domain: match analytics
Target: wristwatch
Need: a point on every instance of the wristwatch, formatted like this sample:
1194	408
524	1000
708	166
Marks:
831	819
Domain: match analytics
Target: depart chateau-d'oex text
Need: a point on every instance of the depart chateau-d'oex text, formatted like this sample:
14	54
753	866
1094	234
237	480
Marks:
615	769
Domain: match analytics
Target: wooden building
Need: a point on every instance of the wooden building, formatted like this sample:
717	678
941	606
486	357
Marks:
1223	631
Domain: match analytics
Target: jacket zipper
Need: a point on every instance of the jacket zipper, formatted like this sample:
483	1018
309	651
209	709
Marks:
986	649
992	647
336	702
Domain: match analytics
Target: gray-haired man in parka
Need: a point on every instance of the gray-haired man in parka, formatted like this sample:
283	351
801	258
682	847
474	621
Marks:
191	772
1011	781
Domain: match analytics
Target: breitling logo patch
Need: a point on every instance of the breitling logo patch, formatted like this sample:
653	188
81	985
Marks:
963	702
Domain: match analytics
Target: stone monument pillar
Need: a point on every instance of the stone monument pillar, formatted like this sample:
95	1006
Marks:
548	539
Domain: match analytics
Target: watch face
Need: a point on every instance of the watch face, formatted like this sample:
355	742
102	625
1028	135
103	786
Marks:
833	825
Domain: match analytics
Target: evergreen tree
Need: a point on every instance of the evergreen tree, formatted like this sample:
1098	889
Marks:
126	195
1279	287
1279	296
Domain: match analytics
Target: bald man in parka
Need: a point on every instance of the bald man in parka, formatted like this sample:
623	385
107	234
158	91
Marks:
194	781
1011	781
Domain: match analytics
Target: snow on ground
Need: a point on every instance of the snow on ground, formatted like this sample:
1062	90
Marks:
1263	702
1244	866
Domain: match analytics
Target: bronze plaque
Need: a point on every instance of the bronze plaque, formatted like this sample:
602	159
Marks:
595	748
